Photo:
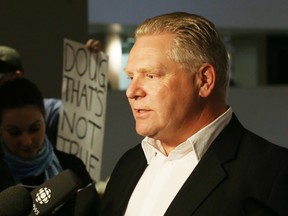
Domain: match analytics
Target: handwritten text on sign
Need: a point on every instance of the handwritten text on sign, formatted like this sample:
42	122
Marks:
82	117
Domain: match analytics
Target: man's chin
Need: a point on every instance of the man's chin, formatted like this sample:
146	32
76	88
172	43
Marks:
145	133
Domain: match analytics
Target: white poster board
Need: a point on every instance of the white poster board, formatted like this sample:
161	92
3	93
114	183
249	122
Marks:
82	115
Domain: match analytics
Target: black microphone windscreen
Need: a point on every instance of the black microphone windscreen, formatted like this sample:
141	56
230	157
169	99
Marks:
15	201
53	193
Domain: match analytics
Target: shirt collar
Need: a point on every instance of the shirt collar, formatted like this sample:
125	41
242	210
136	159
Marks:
198	142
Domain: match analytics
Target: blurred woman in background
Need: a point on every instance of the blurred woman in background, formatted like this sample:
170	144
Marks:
27	157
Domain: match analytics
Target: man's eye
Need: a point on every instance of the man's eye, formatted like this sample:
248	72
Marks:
150	76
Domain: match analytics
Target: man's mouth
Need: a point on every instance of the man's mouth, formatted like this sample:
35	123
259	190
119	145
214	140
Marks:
140	113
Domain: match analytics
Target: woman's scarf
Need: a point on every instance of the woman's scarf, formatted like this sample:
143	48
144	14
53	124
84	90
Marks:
44	162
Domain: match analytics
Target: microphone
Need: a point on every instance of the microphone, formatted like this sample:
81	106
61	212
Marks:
254	207
15	201
50	195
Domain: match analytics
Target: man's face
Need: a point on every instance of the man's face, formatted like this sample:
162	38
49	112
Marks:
163	96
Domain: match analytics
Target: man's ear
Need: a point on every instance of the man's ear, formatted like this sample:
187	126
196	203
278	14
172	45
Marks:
207	80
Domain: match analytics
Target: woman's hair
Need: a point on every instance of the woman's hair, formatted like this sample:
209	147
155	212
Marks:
20	92
196	42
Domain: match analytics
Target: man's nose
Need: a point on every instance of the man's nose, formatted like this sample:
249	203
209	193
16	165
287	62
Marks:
135	89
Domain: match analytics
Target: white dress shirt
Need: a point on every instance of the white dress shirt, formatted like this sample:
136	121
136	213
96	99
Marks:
165	175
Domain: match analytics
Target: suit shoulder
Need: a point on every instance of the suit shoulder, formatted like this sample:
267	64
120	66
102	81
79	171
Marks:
262	143
262	151
131	160
134	153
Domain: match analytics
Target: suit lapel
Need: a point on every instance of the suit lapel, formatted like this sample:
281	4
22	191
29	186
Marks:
124	178
131	183
206	176
209	172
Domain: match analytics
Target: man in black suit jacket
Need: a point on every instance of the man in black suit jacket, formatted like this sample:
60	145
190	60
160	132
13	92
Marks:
196	158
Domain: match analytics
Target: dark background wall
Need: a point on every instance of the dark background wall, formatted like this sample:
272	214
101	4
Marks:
37	29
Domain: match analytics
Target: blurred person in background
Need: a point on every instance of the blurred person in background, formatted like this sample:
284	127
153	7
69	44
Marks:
11	67
27	156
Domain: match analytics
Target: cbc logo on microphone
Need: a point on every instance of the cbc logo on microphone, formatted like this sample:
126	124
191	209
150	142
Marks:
43	196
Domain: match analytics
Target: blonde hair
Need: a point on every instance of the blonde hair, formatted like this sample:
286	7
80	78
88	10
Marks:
196	42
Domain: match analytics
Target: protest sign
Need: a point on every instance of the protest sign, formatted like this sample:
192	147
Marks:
84	94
